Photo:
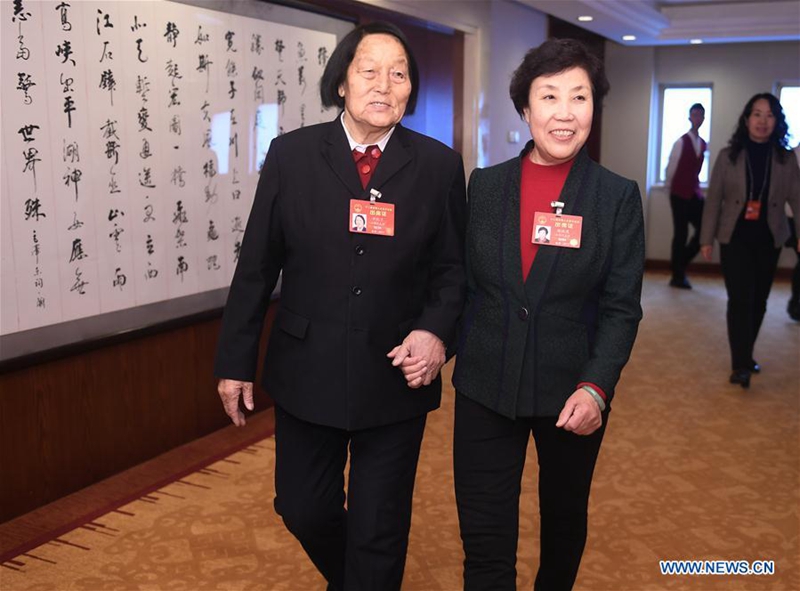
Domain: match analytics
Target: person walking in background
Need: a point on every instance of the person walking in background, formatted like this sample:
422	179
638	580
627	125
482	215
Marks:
685	197
547	328
365	316
752	180
793	308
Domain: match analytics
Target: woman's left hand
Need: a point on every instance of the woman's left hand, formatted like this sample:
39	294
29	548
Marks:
580	414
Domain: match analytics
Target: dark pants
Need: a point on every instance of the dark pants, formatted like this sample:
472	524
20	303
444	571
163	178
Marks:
748	268
489	455
684	212
364	546
792	243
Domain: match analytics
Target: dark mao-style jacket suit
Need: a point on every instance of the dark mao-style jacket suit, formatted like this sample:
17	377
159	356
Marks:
575	318
346	299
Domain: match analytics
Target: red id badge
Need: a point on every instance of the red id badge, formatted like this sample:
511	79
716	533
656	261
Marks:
557	230
752	210
371	217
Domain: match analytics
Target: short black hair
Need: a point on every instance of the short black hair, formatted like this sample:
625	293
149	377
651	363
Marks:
697	106
335	72
552	57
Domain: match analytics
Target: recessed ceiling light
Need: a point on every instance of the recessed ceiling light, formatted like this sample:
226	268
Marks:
586	18
629	37
695	41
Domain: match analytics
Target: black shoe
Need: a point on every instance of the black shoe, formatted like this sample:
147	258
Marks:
680	283
794	309
755	367
741	377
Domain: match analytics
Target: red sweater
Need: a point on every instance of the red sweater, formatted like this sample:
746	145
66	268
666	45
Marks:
539	186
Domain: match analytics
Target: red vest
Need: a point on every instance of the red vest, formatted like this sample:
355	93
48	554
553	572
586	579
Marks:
685	183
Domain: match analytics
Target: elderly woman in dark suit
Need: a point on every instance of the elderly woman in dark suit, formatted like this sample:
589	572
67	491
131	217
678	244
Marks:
548	328
365	317
753	179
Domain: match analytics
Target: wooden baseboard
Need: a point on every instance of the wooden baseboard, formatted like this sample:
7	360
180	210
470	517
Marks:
45	523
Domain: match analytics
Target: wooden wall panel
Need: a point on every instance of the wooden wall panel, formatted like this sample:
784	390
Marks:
71	422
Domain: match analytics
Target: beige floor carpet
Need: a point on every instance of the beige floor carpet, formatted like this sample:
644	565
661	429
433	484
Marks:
691	468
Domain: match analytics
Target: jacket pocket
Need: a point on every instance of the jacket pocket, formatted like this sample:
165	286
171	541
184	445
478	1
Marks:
563	342
292	324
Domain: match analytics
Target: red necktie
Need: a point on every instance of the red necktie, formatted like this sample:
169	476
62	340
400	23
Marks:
366	163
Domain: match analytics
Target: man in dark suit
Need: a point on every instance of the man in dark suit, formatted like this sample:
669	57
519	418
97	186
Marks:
354	357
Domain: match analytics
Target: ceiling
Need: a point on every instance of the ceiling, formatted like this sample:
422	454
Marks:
676	22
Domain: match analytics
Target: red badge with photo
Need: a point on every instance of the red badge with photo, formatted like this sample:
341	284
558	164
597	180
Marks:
752	210
557	230
371	217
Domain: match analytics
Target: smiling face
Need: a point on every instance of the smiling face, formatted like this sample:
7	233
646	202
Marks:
559	115
761	122
376	89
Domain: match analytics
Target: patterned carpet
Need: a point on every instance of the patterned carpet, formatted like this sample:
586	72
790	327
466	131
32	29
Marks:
691	468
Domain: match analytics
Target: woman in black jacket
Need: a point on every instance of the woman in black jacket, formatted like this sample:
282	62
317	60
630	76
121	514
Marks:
548	327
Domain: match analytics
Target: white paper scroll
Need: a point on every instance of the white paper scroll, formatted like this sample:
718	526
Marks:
133	133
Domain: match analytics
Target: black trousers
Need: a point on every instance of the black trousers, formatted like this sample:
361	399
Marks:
364	546
684	213
792	243
749	269
489	456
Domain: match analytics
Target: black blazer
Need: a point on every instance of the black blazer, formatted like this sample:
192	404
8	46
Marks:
575	318
346	299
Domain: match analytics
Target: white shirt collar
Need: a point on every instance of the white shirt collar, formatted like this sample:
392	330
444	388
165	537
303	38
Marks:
354	145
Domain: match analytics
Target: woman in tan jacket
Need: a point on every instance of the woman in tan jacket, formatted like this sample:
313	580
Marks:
753	178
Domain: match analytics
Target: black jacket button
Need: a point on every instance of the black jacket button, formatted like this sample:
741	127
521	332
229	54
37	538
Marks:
360	250
356	290
523	313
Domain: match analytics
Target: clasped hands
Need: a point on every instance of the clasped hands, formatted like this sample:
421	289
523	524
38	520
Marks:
420	357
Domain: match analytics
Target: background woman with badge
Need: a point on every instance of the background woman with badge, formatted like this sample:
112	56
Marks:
548	327
753	178
366	309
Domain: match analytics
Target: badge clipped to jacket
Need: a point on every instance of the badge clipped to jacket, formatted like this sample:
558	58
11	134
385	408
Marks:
372	217
557	229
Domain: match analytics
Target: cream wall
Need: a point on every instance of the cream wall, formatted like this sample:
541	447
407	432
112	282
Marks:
514	30
735	71
626	111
